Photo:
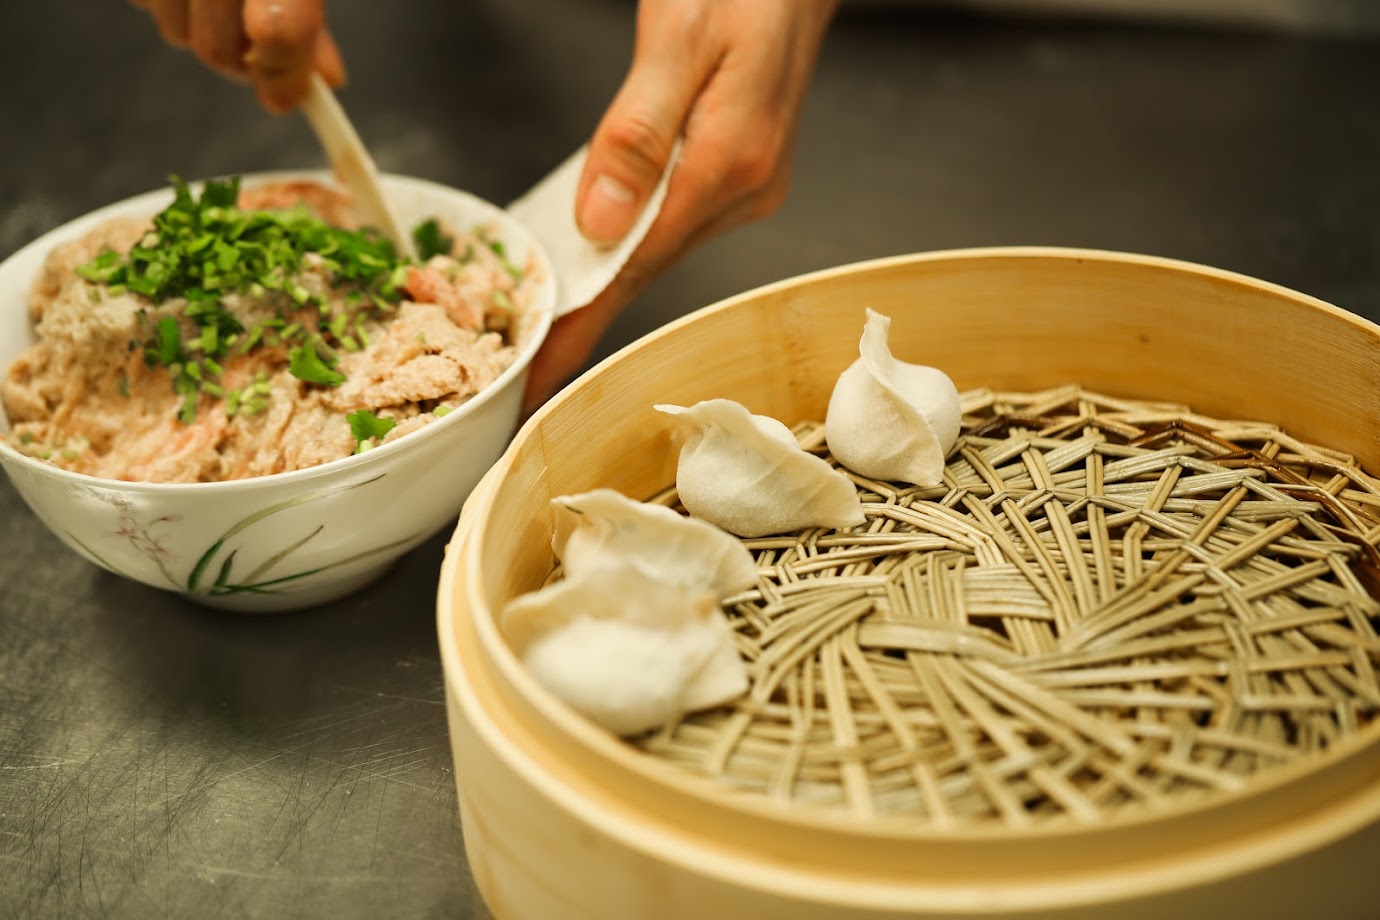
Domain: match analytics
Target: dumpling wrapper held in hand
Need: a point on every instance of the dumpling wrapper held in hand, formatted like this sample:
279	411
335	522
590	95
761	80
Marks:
890	420
584	269
748	474
634	636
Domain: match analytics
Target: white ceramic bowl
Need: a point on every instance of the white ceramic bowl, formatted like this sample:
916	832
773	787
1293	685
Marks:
294	539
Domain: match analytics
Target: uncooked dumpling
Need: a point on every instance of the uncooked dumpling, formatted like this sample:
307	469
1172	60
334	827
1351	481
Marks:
629	651
597	526
634	636
747	474
890	420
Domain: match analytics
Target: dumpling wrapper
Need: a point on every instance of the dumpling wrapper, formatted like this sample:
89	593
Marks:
748	474
583	269
628	651
891	420
595	527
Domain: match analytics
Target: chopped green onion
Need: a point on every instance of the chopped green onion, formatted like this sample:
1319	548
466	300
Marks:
365	426
306	365
430	240
203	248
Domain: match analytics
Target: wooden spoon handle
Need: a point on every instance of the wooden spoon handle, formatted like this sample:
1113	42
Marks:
351	162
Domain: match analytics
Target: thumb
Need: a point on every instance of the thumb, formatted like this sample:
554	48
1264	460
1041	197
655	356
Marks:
632	145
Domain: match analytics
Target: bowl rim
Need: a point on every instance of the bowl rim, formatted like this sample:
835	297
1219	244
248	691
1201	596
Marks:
542	307
576	729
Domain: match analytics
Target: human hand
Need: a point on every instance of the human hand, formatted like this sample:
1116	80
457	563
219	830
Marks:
726	76
272	44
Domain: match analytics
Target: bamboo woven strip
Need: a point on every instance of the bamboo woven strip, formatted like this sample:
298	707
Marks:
1108	605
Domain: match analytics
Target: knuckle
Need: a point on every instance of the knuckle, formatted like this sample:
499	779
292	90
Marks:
639	138
752	168
755	164
770	201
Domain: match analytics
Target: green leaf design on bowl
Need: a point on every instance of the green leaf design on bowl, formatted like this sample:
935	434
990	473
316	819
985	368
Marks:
257	581
260	580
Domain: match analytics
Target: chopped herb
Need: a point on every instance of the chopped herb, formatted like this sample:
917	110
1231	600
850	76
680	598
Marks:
166	347
204	247
187	414
502	300
26	438
102	268
430	240
122	384
442	410
306	364
365	426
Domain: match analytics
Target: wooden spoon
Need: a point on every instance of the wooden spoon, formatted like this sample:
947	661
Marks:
351	162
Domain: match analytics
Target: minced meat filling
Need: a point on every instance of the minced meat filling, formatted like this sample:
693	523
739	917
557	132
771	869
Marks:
122	385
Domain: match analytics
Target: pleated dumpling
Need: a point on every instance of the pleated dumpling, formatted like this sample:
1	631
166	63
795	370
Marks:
596	526
628	651
890	420
747	474
634	635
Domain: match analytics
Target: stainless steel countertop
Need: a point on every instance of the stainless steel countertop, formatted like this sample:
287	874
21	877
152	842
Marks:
158	759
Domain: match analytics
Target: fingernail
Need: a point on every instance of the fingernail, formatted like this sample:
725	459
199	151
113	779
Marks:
609	211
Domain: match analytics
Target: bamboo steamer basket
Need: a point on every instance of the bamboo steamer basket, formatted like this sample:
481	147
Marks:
562	820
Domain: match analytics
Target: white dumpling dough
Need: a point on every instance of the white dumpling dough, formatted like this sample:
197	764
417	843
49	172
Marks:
625	649
603	524
747	474
891	420
634	636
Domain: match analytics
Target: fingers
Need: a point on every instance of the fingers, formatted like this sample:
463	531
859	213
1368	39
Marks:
284	36
276	44
733	169
731	82
633	142
217	37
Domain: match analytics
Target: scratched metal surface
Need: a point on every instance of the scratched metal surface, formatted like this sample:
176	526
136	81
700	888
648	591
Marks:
161	760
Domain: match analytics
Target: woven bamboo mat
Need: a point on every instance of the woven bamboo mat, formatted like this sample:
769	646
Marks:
1107	605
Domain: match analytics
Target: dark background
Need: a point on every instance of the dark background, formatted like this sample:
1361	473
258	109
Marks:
161	760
